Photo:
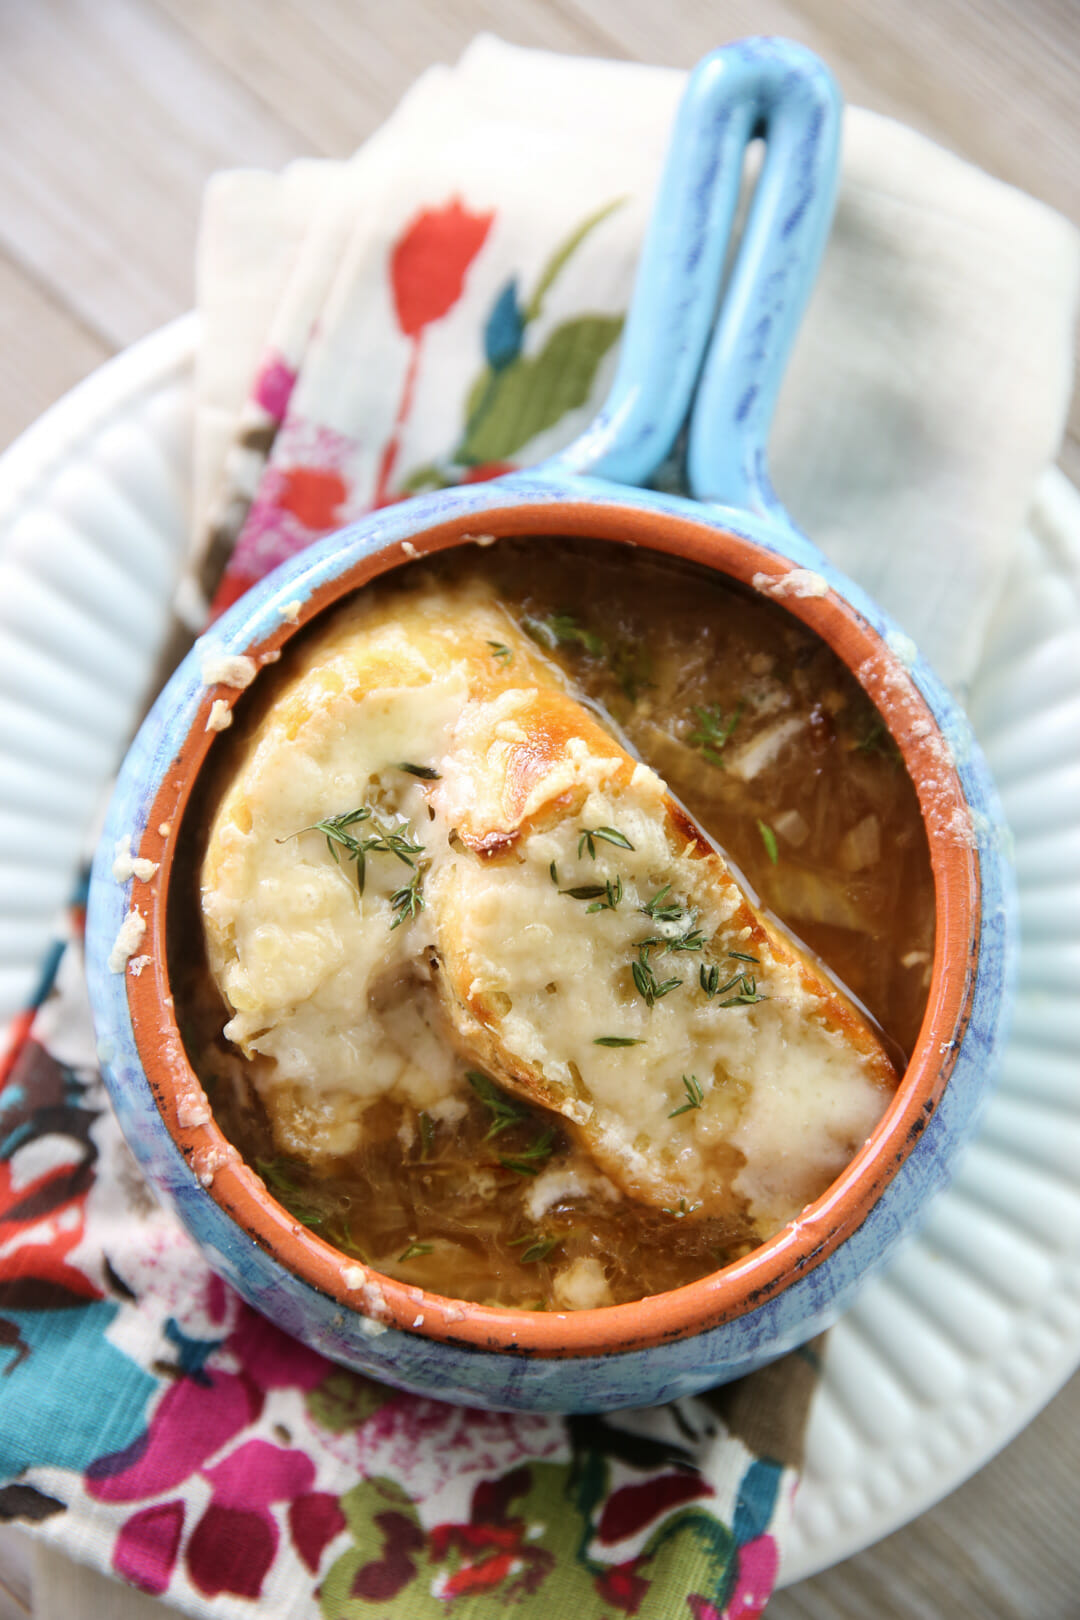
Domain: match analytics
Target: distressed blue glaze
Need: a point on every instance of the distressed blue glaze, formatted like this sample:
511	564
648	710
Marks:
681	362
635	431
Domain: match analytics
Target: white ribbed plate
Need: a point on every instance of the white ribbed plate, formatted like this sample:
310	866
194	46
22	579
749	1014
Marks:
977	1324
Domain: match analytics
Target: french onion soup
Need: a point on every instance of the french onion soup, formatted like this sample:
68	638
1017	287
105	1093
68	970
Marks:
560	918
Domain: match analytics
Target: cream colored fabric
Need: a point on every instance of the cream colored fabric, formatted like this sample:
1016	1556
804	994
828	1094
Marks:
929	384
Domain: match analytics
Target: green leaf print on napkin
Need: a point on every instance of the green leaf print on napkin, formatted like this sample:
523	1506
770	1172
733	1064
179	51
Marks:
517	396
345	1399
507	408
525	1548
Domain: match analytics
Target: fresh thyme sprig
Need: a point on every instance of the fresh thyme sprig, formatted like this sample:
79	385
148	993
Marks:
661	909
335	829
648	986
396	840
539	1247
713	730
681	1209
747	995
563	630
529	1160
503	1109
613	893
408	901
610	835
694	1096
743	983
279	1178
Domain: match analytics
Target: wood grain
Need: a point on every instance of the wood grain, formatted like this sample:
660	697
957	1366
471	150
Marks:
336	69
111	120
1003	1547
16	1574
112	115
44	349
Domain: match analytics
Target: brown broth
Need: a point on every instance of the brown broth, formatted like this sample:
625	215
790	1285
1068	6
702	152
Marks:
698	673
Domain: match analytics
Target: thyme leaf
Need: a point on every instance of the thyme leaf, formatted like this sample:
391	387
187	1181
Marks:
661	909
424	772
539	1247
617	1040
612	894
279	1177
396	841
554	874
610	835
713	730
427	1135
605	896
632	669
768	838
647	985
408	901
681	1209
335	829
745	998
393	840
503	1109
529	1160
879	740
501	651
563	630
741	956
743	983
415	1249
694	1096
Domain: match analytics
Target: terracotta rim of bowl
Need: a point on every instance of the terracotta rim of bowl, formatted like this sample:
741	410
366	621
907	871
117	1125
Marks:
800	1246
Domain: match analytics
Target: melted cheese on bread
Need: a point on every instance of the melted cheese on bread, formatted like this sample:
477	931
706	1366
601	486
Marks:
702	1061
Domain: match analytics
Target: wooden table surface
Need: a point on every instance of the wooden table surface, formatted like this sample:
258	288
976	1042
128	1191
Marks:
112	115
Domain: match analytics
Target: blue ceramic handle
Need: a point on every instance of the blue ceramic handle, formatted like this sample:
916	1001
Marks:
685	360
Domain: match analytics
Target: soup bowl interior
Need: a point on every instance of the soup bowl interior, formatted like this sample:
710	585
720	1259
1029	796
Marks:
170	1124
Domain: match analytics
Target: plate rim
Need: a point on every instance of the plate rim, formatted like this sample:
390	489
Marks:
147	366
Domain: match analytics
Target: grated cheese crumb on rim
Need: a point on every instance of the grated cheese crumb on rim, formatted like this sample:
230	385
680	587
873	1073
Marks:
226	669
220	716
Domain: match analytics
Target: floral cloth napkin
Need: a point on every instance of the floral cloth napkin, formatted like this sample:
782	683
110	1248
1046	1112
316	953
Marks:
444	305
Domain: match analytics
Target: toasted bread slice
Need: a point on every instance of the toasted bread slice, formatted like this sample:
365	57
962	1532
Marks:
579	938
601	959
328	982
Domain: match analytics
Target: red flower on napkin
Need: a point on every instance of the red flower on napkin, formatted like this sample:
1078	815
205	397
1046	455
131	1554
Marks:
429	261
427	276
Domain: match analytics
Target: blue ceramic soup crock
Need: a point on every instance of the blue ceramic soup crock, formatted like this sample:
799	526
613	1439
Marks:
701	376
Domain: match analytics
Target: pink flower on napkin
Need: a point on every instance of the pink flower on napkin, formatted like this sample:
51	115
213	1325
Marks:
273	387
